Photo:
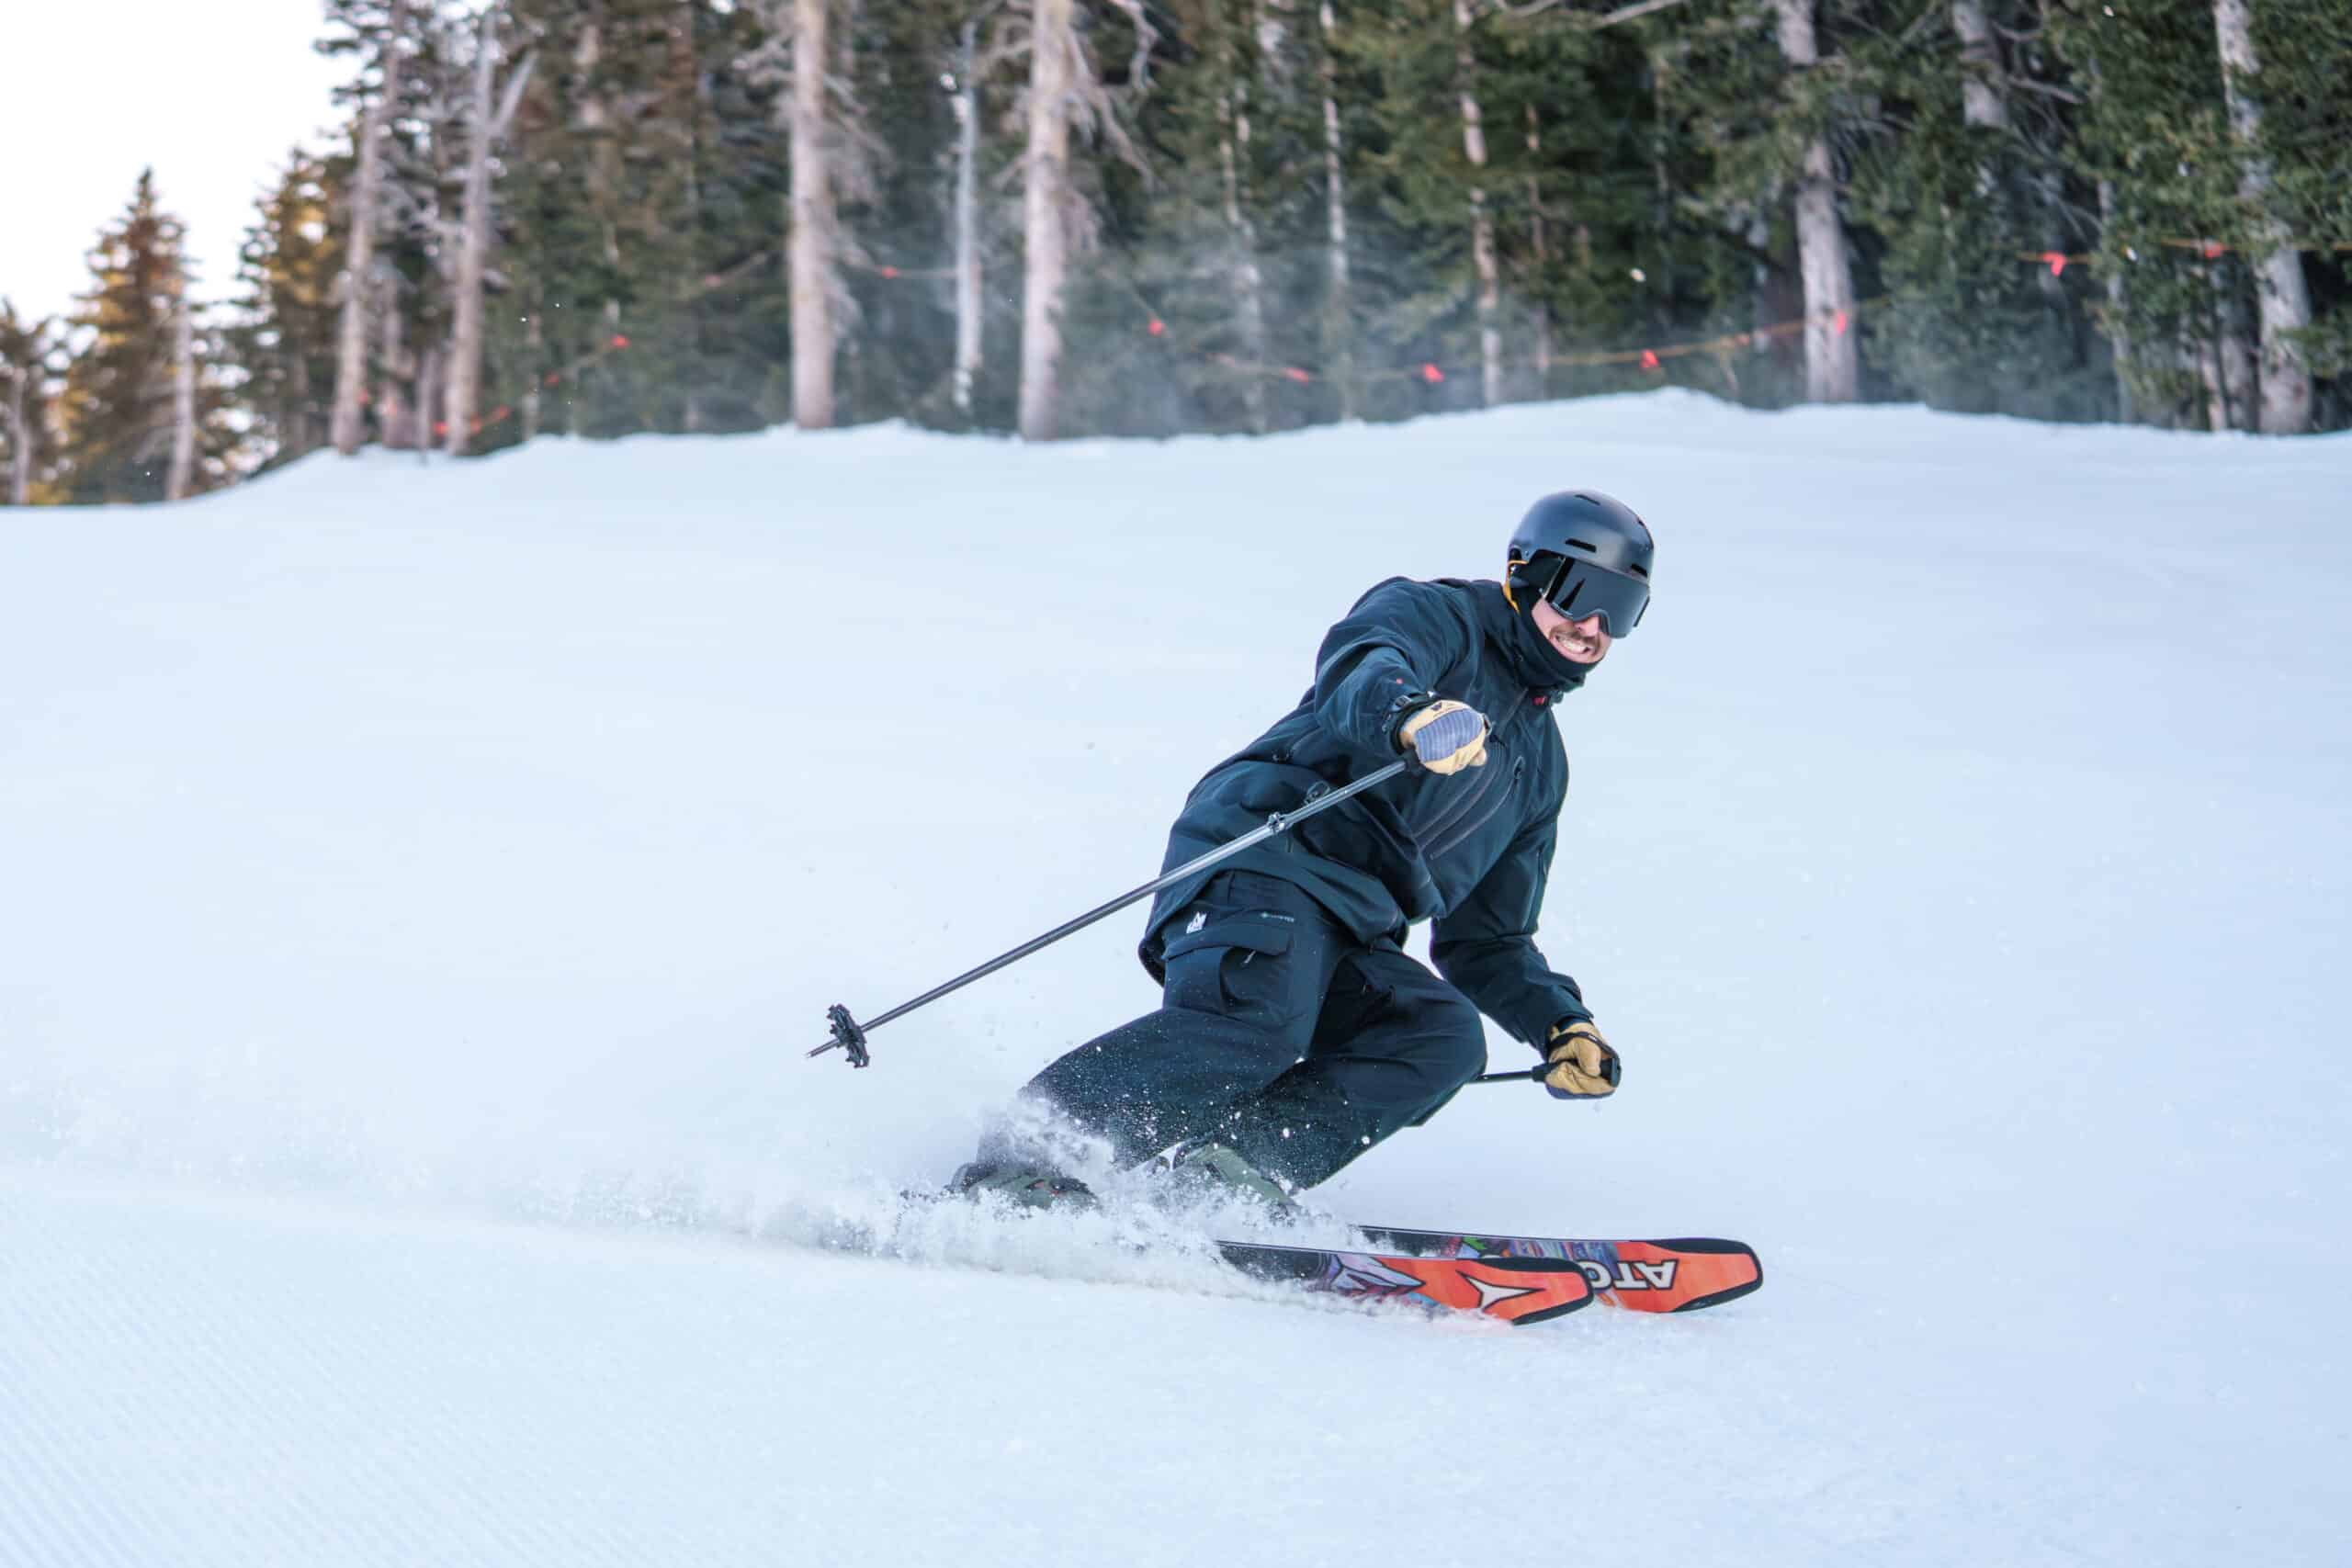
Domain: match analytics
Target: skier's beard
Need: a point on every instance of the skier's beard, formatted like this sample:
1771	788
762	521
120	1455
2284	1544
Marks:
1557	668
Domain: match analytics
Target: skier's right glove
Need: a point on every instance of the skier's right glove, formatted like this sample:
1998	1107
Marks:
1445	735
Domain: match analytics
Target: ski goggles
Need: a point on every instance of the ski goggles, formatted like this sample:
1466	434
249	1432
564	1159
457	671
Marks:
1577	589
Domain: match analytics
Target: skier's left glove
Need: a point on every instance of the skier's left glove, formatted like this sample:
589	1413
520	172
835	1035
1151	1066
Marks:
1583	1065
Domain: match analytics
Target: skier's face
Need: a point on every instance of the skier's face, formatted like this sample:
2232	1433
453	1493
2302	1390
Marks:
1579	642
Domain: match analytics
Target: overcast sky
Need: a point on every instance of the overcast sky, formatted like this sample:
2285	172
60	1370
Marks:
211	95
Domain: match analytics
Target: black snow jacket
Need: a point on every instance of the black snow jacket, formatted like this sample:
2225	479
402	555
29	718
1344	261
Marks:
1470	852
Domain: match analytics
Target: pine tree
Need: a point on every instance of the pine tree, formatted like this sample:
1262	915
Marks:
118	407
27	381
643	214
1321	209
284	342
2156	133
1971	194
2306	135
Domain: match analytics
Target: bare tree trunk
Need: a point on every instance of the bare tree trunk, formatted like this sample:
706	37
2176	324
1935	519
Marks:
20	437
1832	369
535	340
1339	331
473	246
2284	298
689	92
2118	336
2217	396
182	473
811	242
2234	347
1482	223
393	424
490	122
1758	235
1980	103
300	416
1539	256
603	163
428	393
1053	65
967	216
1662	64
2225	363
351	344
1241	238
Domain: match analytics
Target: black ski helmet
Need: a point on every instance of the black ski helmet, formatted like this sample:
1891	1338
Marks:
1586	553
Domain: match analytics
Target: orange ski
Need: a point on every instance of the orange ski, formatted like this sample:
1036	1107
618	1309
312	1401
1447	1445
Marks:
1517	1291
1681	1275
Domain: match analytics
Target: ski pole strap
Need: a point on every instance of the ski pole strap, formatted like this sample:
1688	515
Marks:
849	1035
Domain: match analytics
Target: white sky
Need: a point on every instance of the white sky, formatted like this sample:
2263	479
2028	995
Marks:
212	95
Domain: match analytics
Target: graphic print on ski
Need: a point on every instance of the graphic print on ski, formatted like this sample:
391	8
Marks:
1516	1291
1684	1274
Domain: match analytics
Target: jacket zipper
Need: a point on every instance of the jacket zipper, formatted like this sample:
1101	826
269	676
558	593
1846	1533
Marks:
1482	786
1461	829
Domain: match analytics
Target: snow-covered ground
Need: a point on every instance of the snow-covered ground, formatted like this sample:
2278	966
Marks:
418	886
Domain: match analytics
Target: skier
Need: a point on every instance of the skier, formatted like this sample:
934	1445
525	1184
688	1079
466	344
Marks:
1294	1032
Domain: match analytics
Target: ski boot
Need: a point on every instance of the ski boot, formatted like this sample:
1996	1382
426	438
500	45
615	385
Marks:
1204	1169
1023	1187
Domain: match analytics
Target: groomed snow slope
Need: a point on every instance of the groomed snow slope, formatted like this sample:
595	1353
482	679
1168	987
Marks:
417	887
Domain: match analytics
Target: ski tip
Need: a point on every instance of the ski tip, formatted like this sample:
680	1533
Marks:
1685	1274
1730	1293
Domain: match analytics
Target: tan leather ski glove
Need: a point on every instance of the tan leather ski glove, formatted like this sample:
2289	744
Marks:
1584	1065
1446	736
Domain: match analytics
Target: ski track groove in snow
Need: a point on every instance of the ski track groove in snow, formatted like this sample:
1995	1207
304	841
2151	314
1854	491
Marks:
414	901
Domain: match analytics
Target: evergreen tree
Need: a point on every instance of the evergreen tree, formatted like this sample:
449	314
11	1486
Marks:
1972	192
2305	91
1321	209
2156	136
898	215
117	408
28	389
644	220
284	342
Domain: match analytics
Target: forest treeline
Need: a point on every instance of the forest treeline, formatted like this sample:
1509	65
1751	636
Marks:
1143	217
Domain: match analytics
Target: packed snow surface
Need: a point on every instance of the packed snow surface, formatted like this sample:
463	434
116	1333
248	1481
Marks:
419	884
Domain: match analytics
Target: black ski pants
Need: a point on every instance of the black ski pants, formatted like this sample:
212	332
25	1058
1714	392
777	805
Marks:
1278	1034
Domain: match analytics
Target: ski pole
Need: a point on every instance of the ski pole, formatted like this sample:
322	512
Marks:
850	1035
1535	1074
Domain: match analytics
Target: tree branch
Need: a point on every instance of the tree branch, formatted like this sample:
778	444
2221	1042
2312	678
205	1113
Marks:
513	99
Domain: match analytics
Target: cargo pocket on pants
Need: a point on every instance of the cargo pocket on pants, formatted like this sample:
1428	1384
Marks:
1234	966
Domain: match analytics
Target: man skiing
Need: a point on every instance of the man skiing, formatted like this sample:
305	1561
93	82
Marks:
1294	1032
